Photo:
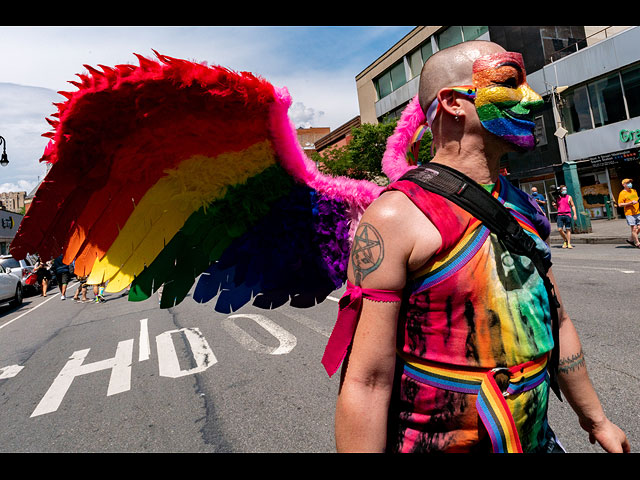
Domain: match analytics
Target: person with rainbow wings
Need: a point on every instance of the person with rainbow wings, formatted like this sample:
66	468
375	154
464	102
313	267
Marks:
188	179
444	333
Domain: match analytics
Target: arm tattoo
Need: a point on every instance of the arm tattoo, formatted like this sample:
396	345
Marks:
572	363
367	252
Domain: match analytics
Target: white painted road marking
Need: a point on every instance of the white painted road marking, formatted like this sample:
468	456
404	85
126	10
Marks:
10	371
622	270
143	349
119	382
308	322
168	363
286	339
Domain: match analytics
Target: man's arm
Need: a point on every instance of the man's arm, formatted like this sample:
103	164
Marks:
577	388
381	253
573	207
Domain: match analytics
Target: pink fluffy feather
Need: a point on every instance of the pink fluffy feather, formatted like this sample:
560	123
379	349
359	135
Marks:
358	193
394	162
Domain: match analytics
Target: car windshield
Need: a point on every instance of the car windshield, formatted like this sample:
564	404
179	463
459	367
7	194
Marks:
9	263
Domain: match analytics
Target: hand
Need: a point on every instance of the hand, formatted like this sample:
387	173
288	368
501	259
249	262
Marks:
575	217
610	437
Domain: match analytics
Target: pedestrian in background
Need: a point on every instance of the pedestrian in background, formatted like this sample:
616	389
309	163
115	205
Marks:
81	289
63	275
628	199
43	275
565	206
540	200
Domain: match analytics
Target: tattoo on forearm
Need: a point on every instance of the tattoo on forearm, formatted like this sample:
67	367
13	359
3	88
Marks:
571	364
367	252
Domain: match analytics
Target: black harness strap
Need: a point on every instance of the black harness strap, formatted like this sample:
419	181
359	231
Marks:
470	196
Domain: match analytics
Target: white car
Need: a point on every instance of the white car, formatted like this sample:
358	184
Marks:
20	268
10	288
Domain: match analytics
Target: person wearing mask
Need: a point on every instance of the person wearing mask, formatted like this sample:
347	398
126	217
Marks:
540	200
628	199
429	305
565	207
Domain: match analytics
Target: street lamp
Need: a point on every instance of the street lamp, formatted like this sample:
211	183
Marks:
4	161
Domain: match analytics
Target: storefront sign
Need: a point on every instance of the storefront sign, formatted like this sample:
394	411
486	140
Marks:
629	135
615	158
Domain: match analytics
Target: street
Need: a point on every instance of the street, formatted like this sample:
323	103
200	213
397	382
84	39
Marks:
130	377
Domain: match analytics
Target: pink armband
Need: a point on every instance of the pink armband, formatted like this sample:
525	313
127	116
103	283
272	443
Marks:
349	308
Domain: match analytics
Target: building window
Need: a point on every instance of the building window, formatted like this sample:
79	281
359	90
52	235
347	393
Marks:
540	132
391	80
631	84
560	41
575	110
418	57
450	37
610	99
471	33
458	34
607	104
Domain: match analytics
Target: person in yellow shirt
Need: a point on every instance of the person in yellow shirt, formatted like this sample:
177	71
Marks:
628	199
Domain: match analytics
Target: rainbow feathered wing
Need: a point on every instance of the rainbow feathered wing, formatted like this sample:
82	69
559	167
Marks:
173	172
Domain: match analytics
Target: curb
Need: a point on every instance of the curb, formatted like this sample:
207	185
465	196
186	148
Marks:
589	240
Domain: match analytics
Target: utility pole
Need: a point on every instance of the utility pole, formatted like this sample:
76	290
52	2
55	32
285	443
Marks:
583	222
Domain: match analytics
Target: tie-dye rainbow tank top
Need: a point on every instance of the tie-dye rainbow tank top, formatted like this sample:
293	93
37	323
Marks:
472	305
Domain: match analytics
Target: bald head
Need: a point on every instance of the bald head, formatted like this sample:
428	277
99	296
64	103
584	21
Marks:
451	67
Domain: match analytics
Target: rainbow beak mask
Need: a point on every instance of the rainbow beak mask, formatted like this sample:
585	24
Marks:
504	101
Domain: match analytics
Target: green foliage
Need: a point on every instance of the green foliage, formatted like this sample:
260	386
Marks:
362	157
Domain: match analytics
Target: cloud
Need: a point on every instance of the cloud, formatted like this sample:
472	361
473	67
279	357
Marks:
23	112
304	117
20	186
318	66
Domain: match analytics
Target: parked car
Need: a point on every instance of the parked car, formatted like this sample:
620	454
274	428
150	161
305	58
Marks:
20	268
10	287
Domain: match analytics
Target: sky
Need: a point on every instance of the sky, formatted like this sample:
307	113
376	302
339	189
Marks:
317	64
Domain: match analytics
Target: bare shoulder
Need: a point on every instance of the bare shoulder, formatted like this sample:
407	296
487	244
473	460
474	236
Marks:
393	237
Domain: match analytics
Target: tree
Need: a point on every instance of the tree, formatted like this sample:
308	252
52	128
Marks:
362	157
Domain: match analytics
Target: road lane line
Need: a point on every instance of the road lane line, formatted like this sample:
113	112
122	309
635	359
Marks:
33	308
308	322
593	268
144	349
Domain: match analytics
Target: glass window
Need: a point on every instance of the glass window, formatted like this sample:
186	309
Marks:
383	85
575	110
607	104
398	76
631	82
450	37
9	263
391	80
427	51
415	63
471	33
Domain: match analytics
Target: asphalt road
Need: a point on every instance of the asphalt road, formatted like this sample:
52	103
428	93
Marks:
130	377
599	285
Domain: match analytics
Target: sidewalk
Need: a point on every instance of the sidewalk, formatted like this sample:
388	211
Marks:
603	231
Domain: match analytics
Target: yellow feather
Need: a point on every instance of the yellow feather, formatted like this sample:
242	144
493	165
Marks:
164	209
